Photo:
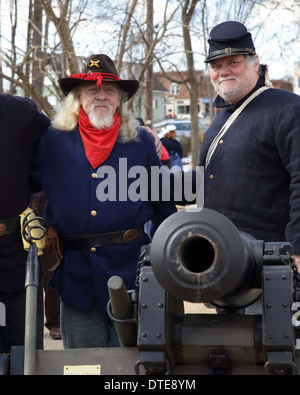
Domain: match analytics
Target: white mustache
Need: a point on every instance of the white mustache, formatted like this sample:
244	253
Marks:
100	103
226	79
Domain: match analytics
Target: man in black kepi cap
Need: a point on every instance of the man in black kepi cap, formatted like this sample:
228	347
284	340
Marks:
231	41
251	150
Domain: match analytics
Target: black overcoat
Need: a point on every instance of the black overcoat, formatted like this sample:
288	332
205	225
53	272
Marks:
21	126
253	177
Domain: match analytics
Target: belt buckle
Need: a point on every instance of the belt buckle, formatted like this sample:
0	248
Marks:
2	229
130	235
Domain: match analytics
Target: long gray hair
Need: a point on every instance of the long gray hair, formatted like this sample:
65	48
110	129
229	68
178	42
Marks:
66	116
263	69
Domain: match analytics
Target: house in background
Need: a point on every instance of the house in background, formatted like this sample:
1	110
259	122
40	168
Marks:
170	99
131	70
177	95
296	79
159	99
282	84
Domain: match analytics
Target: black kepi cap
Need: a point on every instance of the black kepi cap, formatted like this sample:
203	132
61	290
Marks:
229	38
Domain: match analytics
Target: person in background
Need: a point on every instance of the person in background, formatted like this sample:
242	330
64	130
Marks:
99	223
163	153
48	259
173	147
165	157
252	164
18	137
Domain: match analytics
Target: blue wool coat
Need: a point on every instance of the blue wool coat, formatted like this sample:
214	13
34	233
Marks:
253	177
74	208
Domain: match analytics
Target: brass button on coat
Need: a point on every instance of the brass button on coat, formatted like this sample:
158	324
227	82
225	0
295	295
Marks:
94	175
2	229
94	213
211	176
93	249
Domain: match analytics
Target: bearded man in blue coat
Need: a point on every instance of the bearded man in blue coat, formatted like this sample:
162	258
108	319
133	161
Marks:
252	168
87	165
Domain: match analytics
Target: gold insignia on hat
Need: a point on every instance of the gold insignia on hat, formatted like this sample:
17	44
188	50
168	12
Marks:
95	64
227	50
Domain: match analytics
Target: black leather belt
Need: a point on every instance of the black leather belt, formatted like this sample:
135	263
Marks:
103	239
10	225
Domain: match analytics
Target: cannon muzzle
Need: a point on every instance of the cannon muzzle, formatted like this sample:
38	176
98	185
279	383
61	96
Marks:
200	256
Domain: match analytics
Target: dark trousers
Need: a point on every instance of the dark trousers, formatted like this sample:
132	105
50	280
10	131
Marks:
13	333
52	300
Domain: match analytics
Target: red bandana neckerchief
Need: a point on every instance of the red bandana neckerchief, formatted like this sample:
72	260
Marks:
98	144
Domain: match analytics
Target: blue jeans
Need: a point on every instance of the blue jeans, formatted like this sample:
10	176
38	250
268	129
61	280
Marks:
81	329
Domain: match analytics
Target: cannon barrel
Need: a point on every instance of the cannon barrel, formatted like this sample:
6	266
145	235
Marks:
200	256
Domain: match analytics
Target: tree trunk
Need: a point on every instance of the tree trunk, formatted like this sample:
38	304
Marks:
37	64
14	19
149	66
187	13
124	33
64	31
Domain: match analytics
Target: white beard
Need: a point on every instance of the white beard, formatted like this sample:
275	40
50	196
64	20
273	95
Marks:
230	95
242	88
99	121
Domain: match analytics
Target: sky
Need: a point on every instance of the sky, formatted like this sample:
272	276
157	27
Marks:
269	41
272	43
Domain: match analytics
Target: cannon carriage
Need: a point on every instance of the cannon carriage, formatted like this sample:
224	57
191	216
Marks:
199	256
252	288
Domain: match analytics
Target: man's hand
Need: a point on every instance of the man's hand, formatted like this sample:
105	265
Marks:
156	139
297	261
